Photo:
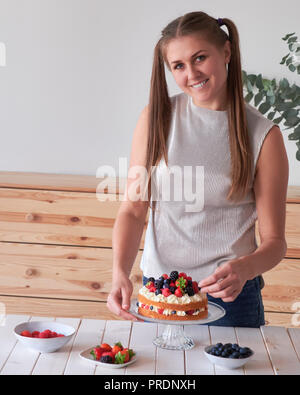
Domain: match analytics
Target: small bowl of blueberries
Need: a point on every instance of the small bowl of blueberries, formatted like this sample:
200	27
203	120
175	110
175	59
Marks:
230	356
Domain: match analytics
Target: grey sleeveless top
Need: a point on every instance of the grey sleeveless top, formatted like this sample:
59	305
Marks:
197	236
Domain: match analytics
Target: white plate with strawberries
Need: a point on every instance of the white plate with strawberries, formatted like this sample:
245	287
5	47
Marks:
115	357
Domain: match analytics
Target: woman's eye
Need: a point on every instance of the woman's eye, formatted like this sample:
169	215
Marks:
176	67
180	64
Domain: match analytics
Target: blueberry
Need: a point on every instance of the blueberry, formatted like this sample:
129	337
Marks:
172	289
218	353
235	347
151	279
158	292
224	354
151	307
166	286
213	350
167	281
158	283
235	355
174	312
219	345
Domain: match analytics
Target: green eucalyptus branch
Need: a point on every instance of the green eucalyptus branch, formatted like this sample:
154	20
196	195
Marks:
280	101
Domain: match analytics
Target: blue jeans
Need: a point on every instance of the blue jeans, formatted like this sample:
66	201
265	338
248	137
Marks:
246	310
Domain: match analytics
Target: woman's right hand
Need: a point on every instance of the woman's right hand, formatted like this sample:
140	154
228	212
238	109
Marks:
118	301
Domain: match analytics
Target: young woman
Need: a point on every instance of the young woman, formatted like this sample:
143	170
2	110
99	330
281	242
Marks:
245	176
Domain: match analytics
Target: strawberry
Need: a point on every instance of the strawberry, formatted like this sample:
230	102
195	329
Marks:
106	347
124	355
178	293
53	334
152	289
60	335
26	334
149	284
97	353
116	348
166	292
172	284
35	334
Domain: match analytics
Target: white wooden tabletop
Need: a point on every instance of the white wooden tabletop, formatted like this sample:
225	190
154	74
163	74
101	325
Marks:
277	349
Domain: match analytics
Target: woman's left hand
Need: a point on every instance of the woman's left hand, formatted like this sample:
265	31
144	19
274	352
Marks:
227	281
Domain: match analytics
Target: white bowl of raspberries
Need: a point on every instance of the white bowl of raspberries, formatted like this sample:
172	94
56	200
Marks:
44	336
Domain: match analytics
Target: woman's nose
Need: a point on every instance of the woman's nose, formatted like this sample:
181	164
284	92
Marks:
193	73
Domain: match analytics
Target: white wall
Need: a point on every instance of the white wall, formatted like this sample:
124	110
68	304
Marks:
78	72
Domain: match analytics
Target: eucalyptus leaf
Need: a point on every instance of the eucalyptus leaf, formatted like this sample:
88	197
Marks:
279	99
258	98
264	107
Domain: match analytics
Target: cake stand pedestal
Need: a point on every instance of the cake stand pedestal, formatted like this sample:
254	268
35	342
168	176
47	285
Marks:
173	336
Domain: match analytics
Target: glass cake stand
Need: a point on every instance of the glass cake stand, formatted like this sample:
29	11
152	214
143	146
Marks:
173	336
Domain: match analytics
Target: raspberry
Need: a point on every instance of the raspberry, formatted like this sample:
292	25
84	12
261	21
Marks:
190	312
195	287
165	276
182	274
44	335
166	292
26	334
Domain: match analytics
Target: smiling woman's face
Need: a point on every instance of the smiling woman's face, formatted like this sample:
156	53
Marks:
193	60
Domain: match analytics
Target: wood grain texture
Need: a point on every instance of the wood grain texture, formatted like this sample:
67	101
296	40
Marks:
53	217
59	272
56	246
56	307
282	286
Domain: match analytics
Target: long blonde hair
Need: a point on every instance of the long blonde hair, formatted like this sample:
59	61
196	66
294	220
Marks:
160	103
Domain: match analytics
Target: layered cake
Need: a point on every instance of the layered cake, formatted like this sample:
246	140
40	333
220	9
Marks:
174	297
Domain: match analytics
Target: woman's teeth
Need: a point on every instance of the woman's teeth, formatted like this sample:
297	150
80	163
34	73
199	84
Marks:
200	85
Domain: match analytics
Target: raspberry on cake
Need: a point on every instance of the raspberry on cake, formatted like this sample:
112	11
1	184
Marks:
173	297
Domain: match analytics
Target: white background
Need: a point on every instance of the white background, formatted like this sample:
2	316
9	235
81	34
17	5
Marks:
78	74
